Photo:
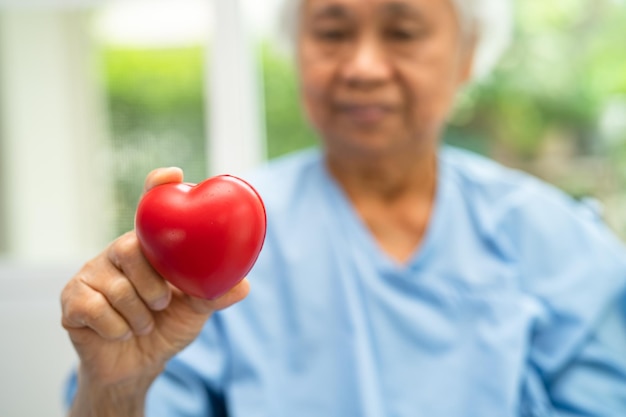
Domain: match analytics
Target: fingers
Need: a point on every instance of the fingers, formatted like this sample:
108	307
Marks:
163	176
116	294
122	297
93	312
125	254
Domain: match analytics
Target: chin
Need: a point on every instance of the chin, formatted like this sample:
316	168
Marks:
368	145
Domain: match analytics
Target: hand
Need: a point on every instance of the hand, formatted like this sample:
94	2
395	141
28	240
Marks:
124	320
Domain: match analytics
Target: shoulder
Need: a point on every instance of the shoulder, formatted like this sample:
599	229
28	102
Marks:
534	224
498	195
561	250
284	179
481	179
553	240
294	192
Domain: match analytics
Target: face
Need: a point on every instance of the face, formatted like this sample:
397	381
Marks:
380	76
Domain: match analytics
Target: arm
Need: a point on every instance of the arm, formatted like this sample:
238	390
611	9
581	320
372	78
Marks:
126	323
126	399
594	382
575	268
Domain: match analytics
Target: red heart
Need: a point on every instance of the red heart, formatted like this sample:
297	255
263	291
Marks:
202	238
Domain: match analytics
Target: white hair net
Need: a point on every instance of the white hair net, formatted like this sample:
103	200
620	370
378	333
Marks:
491	21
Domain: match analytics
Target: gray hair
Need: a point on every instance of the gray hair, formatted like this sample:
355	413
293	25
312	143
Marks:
490	22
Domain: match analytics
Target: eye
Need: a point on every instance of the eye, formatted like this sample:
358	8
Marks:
400	35
404	32
332	35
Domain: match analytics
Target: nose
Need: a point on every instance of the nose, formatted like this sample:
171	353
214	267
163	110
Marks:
367	64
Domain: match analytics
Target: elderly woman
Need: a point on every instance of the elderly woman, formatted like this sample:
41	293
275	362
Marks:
398	278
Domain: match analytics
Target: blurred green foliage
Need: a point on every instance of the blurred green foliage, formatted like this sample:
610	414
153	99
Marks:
566	64
287	129
564	73
156	112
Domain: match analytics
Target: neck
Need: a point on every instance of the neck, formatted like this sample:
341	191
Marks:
392	194
386	178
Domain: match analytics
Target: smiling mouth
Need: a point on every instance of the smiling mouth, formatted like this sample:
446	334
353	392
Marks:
365	114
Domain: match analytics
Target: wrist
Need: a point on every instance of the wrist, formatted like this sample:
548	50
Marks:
95	398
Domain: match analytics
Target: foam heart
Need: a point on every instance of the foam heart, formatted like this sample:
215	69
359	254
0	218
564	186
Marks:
202	238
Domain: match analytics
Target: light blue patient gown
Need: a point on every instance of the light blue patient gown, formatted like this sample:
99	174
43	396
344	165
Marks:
514	305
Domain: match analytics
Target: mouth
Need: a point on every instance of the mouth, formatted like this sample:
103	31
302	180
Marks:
365	113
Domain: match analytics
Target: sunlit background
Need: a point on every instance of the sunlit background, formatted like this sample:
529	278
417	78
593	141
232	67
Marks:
95	94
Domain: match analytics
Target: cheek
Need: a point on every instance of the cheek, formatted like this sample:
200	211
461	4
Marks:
429	92
315	86
311	96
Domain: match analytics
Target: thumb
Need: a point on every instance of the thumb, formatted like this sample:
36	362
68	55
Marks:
161	176
235	295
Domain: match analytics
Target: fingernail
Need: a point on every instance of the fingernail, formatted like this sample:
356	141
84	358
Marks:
161	303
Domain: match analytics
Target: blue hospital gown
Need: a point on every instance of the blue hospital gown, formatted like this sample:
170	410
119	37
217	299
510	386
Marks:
514	305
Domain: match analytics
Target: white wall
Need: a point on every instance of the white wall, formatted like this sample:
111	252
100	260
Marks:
236	127
55	190
35	352
53	195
